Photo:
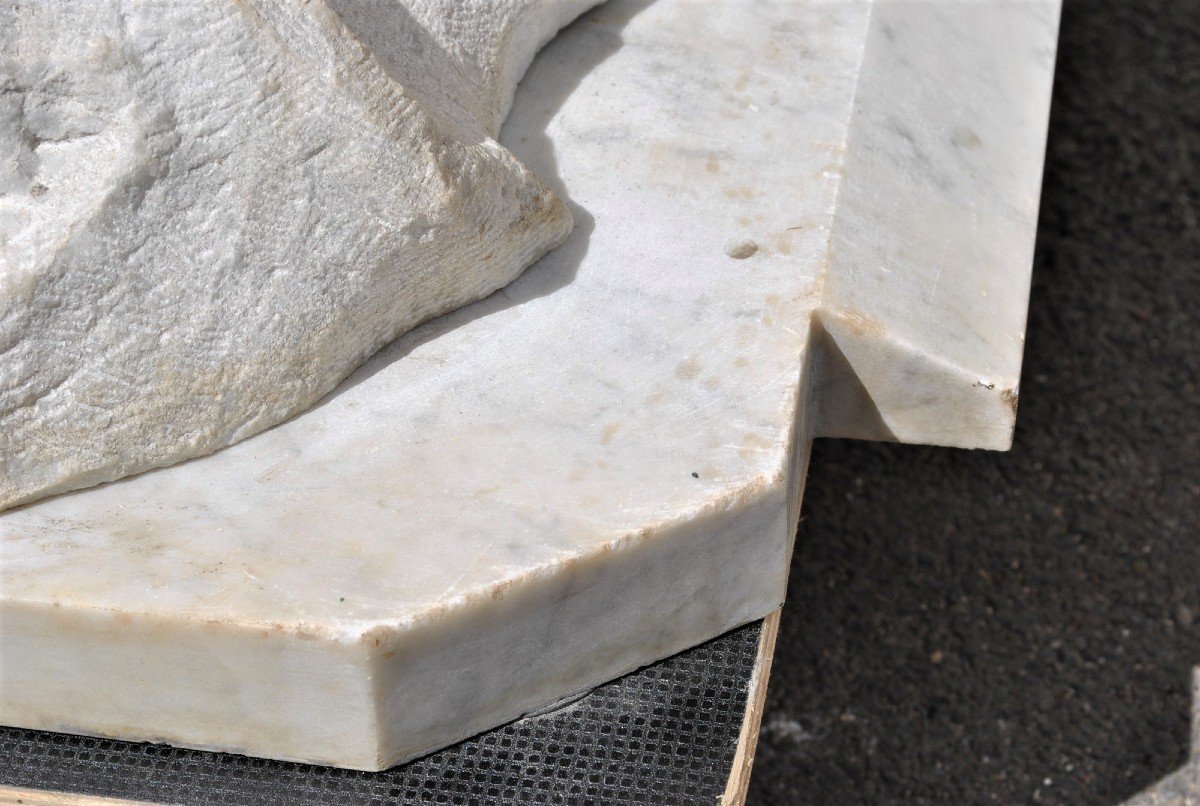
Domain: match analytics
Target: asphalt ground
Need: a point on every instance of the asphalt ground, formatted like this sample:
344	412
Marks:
970	627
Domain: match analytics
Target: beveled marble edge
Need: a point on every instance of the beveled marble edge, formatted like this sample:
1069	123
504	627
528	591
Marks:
927	285
392	694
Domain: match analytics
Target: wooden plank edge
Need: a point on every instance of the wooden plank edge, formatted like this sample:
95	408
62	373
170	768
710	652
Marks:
756	693
18	796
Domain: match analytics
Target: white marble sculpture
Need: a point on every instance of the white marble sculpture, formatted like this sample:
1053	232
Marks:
793	220
212	212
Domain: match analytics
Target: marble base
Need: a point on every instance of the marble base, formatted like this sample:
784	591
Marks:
793	220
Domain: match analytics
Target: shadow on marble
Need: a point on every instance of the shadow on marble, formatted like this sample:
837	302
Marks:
536	151
551	273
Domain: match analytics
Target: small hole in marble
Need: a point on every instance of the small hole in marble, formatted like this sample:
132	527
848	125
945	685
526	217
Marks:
740	248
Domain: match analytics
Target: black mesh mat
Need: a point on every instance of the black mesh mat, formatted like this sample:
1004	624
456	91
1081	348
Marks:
665	734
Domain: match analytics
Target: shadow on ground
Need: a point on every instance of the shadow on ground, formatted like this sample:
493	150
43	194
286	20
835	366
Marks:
971	627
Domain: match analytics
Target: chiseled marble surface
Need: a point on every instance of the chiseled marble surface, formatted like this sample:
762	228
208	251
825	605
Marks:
601	464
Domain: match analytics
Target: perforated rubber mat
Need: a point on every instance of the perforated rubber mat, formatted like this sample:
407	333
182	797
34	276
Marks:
665	734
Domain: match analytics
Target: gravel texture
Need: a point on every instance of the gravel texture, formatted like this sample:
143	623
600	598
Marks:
969	627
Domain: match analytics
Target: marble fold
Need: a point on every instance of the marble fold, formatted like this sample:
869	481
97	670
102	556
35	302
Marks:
212	212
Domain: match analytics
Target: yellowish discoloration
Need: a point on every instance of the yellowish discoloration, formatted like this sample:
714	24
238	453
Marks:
860	324
744	79
656	397
752	446
610	431
965	137
688	369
